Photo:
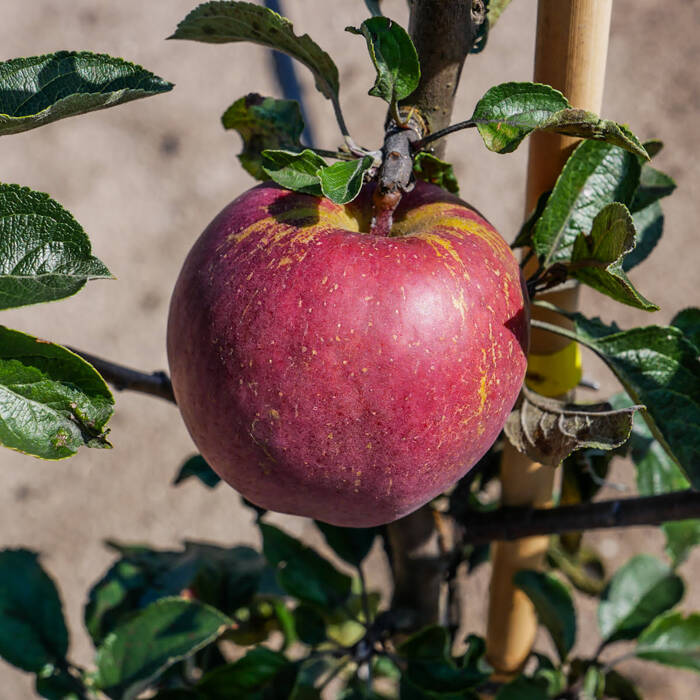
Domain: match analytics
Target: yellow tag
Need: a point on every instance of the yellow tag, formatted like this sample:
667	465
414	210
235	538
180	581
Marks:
556	373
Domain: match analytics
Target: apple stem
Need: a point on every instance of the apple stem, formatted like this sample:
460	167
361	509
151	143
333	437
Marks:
384	205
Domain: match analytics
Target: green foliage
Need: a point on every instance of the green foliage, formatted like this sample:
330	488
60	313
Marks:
165	632
688	321
295	171
224	22
658	368
51	401
428	167
41	89
639	591
33	633
554	606
507	113
350	544
596	259
197	467
596	175
342	181
394	57
264	123
672	640
44	252
302	572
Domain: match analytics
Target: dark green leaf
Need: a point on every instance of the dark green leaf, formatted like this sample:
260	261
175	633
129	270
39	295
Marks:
57	684
342	181
524	237
548	430
310	626
350	543
597	257
224	22
373	7
44	252
639	591
583	567
260	670
593	683
51	401
41	89
160	635
429	644
649	225
522	688
301	571
659	368
672	640
653	147
688	321
264	123
428	167
618	686
394	57
224	578
595	175
295	171
587	125
554	607
550	677
196	466
33	632
507	113
653	185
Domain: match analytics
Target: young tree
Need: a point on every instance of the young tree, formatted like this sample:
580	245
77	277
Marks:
162	620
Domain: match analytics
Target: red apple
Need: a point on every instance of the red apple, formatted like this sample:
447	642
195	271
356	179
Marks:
328	372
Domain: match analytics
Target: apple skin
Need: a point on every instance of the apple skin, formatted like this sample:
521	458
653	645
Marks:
340	375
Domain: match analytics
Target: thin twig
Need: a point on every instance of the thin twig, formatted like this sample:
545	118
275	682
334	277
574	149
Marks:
430	138
516	523
124	378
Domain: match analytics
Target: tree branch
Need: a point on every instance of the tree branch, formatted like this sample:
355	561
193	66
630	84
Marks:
516	523
124	378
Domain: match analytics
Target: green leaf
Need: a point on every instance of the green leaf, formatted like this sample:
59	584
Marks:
659	368
548	430
44	252
51	401
672	640
261	673
554	607
225	578
619	686
524	237
373	7
658	473
41	89
33	632
224	22
639	591
167	631
57	684
197	467
302	572
429	644
350	543
394	57
295	171
310	626
649	225
593	683
342	181
688	321
428	167
653	185
597	257
595	175
264	123
522	688
507	113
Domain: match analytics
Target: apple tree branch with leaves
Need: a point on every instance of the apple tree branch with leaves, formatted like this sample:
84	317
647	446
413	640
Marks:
206	622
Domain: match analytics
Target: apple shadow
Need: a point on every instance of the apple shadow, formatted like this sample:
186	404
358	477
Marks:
295	209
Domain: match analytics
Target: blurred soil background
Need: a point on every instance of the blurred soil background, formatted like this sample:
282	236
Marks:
145	178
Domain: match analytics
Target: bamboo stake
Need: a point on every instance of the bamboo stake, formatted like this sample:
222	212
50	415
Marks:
570	55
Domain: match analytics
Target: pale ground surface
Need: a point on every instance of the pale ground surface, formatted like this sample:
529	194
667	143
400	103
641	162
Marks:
145	178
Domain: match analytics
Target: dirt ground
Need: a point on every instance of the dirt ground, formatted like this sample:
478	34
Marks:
145	178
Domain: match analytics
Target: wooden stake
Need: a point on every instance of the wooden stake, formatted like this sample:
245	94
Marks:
570	55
